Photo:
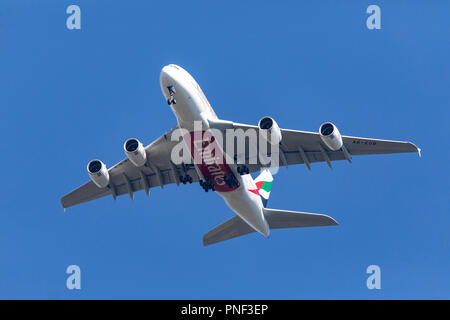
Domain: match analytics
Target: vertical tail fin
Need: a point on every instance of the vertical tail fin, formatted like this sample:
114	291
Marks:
264	184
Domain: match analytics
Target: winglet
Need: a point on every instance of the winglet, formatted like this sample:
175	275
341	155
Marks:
419	151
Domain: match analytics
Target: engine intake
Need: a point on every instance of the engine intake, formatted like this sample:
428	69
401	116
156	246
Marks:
269	125
99	173
135	152
331	136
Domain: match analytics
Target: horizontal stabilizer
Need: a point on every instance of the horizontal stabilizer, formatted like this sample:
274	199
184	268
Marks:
277	219
280	219
235	227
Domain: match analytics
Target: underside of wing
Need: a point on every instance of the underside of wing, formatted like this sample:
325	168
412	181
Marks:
303	147
126	178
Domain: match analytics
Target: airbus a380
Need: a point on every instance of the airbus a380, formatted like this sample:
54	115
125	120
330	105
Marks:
212	166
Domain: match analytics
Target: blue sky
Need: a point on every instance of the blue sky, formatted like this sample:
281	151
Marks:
68	96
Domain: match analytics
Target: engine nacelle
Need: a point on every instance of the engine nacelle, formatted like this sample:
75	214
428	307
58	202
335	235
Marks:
272	129
135	152
331	136
98	173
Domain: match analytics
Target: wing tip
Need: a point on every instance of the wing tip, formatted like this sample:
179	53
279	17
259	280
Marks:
416	149
333	222
63	203
206	242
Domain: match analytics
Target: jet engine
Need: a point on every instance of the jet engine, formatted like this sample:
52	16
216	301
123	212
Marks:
98	173
269	125
135	152
331	136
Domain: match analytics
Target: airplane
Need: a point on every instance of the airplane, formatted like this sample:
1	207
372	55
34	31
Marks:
154	166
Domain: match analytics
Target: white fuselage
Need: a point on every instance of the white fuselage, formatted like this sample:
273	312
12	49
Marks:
191	106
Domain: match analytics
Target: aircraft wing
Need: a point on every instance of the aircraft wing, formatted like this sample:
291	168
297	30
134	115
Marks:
303	147
125	178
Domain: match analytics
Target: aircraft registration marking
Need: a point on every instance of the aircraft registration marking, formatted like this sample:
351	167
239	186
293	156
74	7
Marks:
365	142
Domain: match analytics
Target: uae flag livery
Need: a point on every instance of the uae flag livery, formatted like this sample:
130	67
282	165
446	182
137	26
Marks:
264	185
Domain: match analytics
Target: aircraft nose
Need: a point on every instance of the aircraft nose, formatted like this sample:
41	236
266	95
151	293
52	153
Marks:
170	70
171	75
167	78
166	74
